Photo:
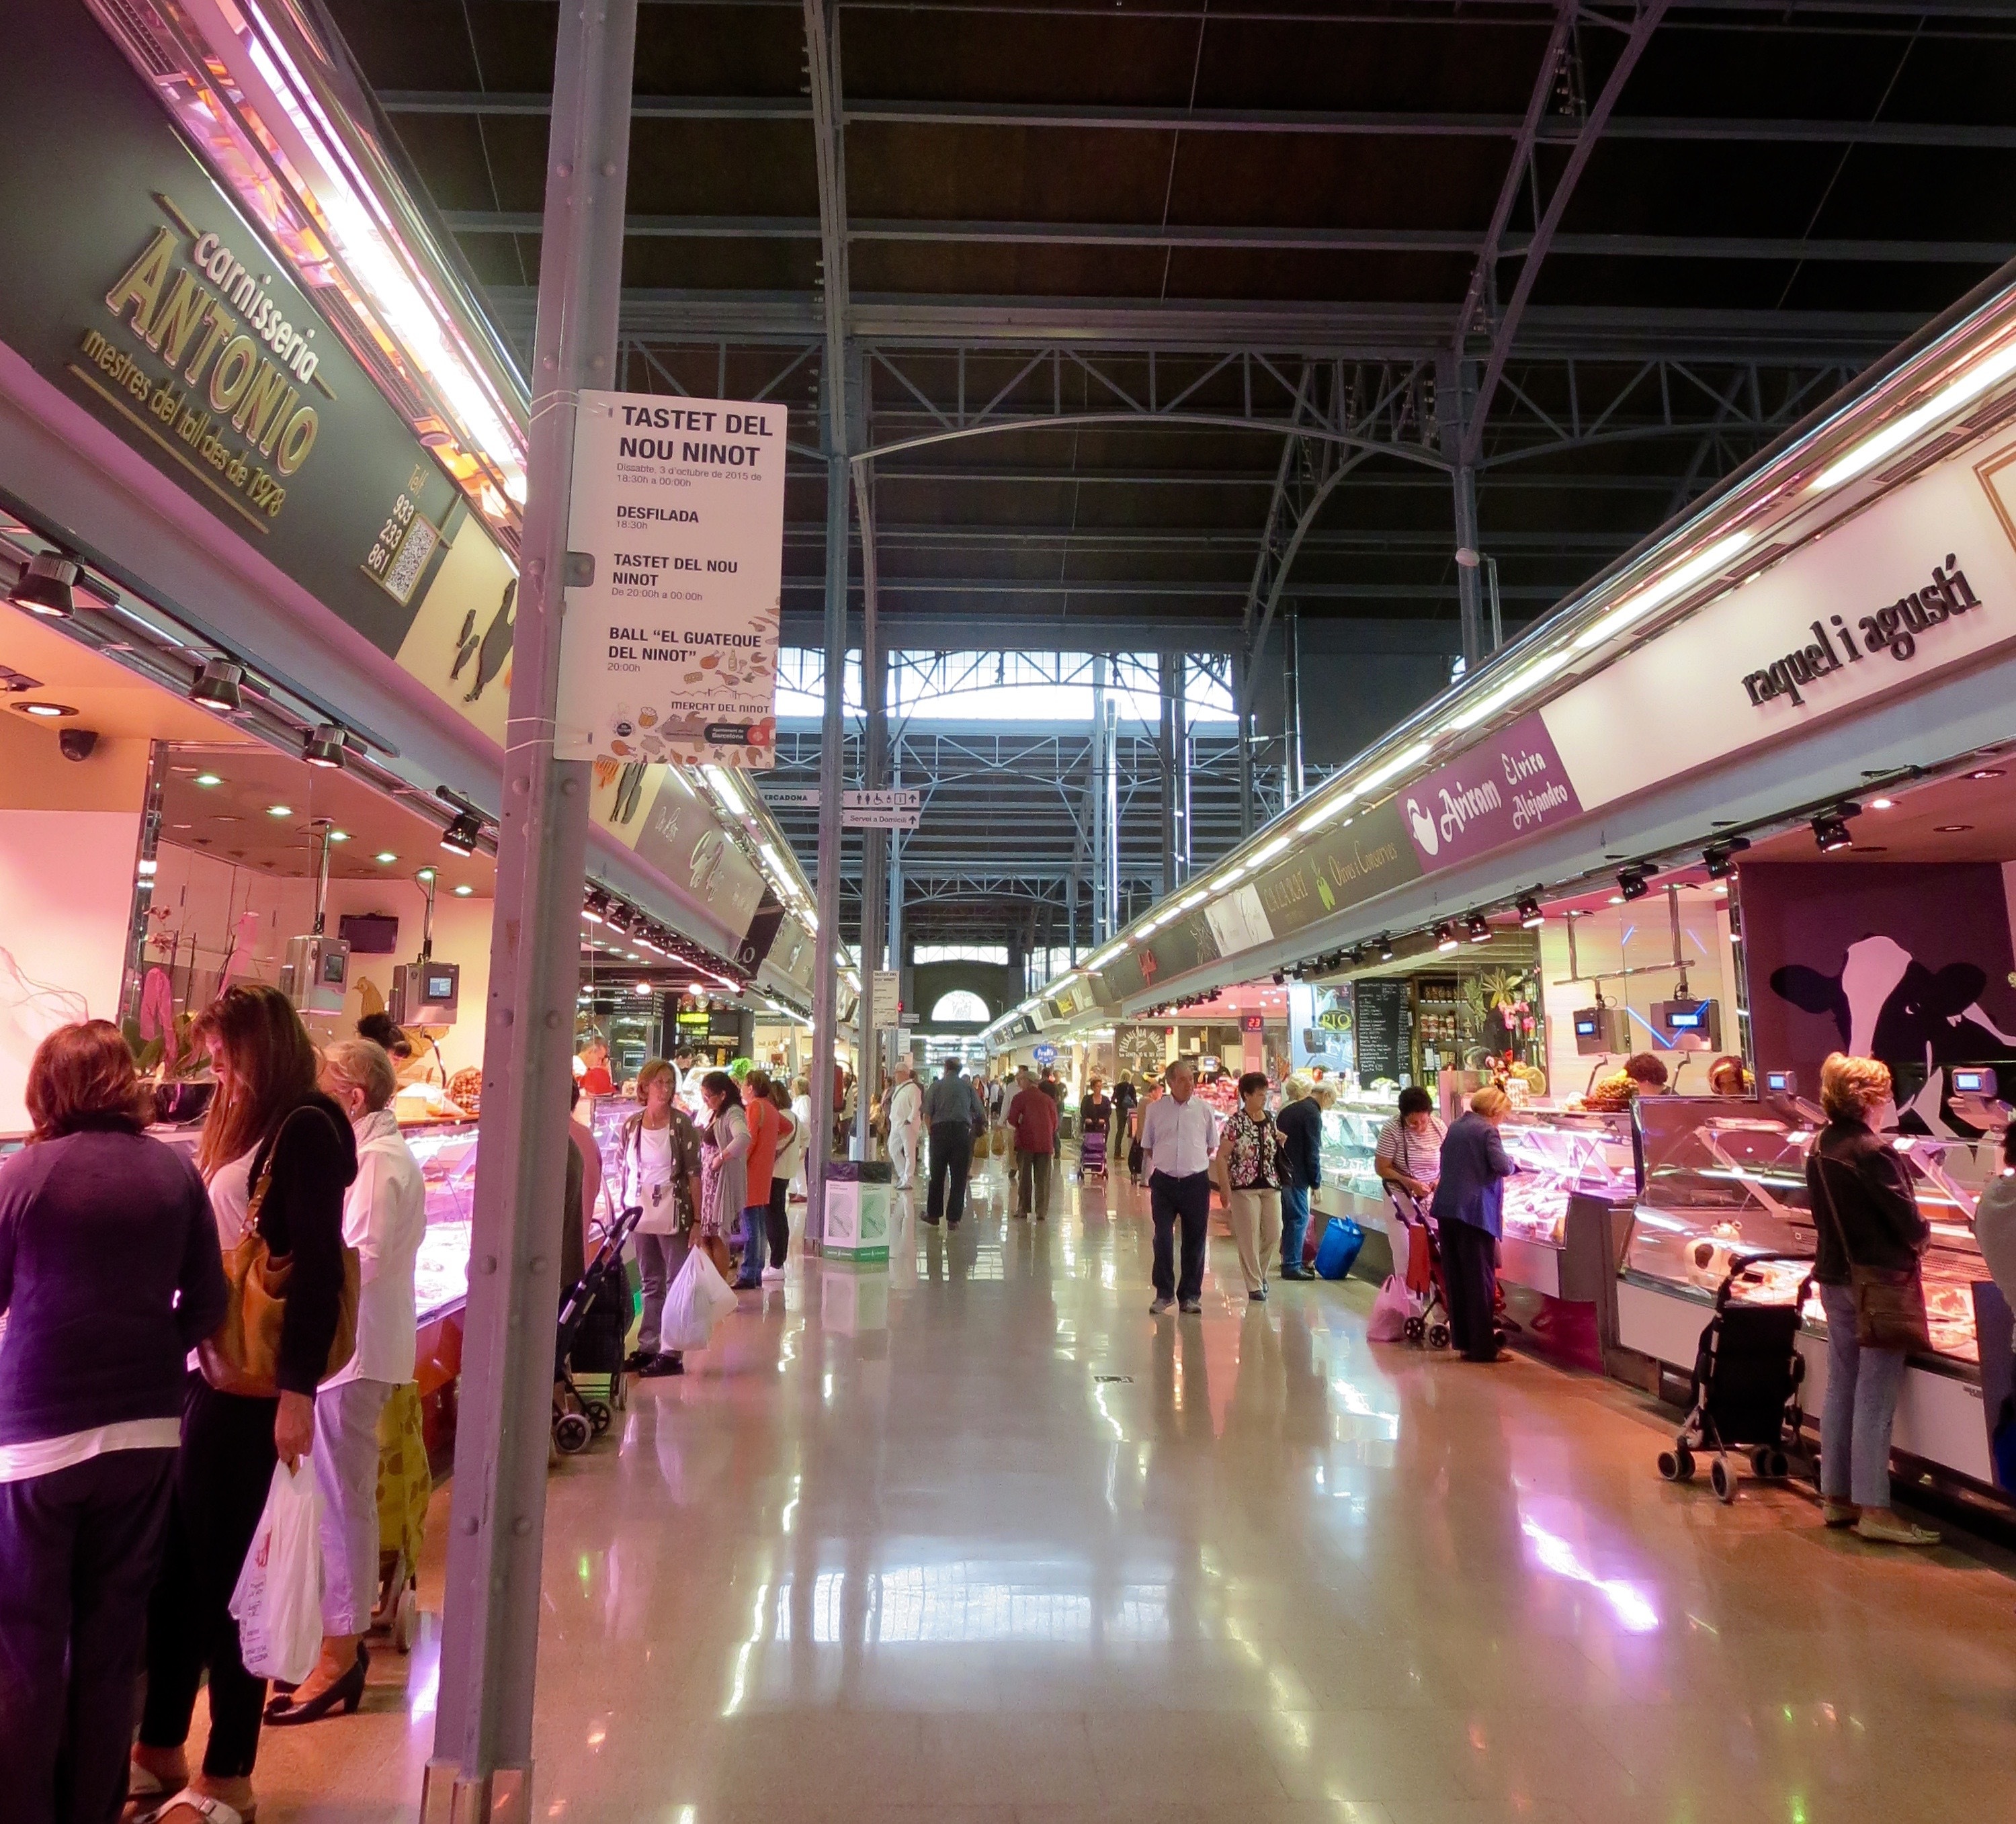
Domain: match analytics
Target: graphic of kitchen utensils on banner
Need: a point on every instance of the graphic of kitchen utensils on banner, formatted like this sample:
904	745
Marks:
675	535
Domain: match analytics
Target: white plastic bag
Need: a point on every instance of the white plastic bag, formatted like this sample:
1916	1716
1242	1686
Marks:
698	1300
277	1602
1390	1311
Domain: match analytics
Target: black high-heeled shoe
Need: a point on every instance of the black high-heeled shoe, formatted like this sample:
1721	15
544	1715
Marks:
348	1691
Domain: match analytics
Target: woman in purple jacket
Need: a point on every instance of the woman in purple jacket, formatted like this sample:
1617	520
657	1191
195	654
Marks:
108	1276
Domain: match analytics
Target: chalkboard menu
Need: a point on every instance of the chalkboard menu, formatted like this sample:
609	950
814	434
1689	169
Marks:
1384	1033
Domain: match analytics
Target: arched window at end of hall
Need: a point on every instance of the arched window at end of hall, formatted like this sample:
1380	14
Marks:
961	1005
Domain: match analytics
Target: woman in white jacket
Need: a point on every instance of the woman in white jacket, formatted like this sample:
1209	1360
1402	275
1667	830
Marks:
384	1217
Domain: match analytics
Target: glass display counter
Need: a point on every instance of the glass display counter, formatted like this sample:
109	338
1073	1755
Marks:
1350	1139
1723	1179
446	1151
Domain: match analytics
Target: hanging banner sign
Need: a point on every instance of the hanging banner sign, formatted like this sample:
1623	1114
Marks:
676	528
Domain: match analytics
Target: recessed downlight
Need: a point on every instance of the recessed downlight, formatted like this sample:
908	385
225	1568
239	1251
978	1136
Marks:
208	779
279	810
387	855
45	711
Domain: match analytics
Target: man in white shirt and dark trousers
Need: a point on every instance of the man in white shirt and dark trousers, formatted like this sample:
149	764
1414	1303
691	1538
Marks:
1179	1138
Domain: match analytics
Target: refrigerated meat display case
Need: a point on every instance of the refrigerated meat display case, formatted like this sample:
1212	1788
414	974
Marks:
1726	1178
446	1151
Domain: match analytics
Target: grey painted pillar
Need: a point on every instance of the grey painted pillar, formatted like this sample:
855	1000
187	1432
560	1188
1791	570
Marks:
481	1766
1242	710
1166	665
833	745
893	911
874	856
1291	713
1456	398
1185	753
1095	805
1116	916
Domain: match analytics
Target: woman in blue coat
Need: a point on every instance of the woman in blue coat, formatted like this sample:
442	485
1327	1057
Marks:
1468	1211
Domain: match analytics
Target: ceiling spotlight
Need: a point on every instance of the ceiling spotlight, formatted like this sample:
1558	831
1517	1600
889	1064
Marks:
1830	830
596	906
1385	947
45	586
1882	804
45	712
1531	917
324	747
1718	857
1631	883
220	684
385	856
1986	772
461	837
1477	928
1445	936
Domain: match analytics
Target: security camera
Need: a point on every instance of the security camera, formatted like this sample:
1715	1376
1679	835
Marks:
77	743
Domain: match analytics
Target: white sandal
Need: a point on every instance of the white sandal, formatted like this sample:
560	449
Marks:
211	1811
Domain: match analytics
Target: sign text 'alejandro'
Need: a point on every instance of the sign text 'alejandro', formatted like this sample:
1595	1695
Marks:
670	651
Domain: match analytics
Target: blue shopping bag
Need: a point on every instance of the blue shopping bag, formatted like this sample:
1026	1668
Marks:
1338	1251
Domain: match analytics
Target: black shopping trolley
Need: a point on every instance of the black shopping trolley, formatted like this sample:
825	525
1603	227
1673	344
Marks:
1744	1393
588	1362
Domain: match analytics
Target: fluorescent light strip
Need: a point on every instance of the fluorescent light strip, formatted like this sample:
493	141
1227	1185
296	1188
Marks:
1230	877
1662	590
1326	812
1190	901
1269	851
1966	387
1518	685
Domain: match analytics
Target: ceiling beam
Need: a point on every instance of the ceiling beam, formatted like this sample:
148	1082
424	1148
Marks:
1241	239
1419	123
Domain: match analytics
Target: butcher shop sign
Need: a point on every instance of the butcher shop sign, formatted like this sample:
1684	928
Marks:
676	538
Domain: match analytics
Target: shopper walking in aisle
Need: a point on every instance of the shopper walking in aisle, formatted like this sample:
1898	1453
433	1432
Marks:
1095	1116
764	1124
1870	1237
1301	1125
954	1115
1053	1086
1180	1134
801	1113
1247	1169
1119	1128
783	1168
1032	1117
659	1163
109	1276
384	1216
724	1168
278	1155
906	1122
1468	1209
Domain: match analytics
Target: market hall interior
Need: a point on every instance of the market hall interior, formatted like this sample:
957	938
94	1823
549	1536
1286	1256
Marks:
981	1541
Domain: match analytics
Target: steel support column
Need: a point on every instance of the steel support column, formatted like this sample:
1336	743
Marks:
1292	712
1166	669
874	691
826	881
1242	710
1109	811
481	1768
1455	400
1095	806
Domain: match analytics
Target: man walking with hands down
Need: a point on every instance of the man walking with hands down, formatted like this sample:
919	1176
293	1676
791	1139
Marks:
953	1112
1179	1135
1033	1115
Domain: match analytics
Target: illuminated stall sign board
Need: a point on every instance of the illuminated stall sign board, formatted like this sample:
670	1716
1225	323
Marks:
1894	629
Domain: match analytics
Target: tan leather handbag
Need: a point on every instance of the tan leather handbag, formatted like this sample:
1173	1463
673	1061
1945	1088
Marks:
243	1355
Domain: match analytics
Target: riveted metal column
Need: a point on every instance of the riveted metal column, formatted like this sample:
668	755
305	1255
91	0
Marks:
481	1768
1291	712
874	693
1456	398
833	744
1165	666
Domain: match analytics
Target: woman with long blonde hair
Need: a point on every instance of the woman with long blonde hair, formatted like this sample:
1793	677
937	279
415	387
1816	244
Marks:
277	1155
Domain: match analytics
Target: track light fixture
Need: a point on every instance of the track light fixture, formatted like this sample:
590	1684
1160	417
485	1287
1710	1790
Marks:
45	586
1477	927
220	684
1531	917
1830	830
1719	858
324	746
461	837
1631	882
1385	947
1445	936
595	908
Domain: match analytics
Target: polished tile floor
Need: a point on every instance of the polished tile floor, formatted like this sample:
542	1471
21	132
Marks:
980	1540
